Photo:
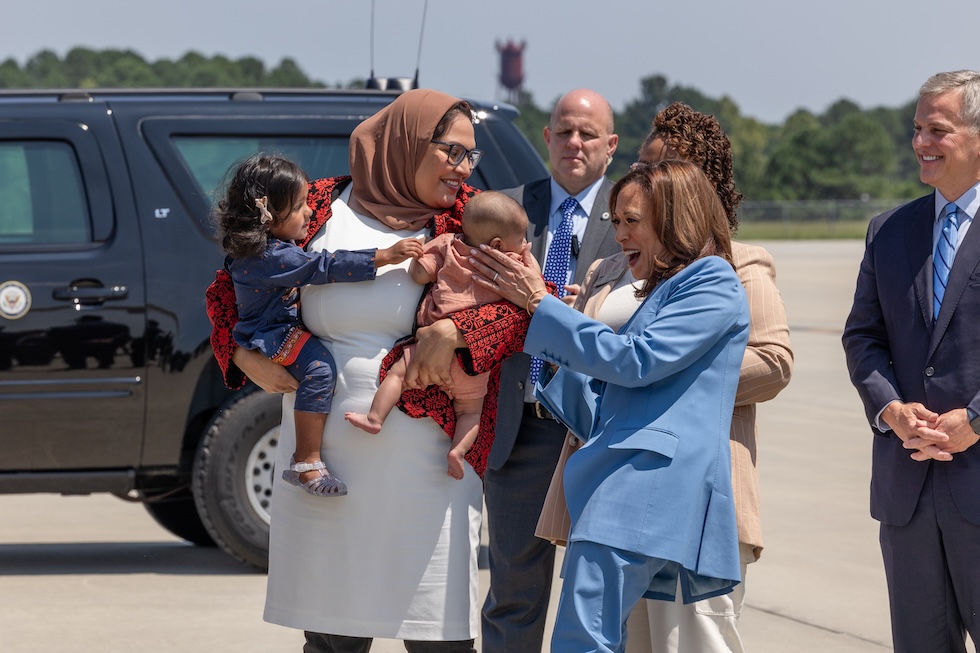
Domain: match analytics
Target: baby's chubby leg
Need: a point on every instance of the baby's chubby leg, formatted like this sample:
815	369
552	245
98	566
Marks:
387	396
467	426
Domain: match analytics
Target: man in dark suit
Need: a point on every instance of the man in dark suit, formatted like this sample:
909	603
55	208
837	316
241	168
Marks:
911	342
528	441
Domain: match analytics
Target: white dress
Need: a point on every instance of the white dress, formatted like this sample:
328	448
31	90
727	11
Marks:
397	557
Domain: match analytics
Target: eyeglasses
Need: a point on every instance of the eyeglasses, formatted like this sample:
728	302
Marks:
457	153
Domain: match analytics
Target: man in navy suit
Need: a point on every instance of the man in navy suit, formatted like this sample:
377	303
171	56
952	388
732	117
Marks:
912	342
581	143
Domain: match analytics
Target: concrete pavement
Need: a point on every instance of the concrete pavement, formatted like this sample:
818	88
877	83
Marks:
97	575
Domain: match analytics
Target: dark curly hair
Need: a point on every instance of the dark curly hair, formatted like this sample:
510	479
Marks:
238	217
686	215
699	138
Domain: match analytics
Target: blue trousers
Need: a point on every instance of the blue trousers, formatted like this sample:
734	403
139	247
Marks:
314	369
602	584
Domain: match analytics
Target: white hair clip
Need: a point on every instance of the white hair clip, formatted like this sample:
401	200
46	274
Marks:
262	205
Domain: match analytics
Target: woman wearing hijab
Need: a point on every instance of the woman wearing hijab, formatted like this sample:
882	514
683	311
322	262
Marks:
397	557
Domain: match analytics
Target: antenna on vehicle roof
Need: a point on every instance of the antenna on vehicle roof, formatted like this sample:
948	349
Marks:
371	78
418	59
396	83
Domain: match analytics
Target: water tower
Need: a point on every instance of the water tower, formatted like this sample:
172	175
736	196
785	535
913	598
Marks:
511	69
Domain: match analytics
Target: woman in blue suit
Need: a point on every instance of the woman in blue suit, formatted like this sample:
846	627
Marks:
649	494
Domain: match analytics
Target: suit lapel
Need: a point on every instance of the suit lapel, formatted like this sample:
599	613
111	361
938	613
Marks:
537	204
918	243
610	276
964	266
596	231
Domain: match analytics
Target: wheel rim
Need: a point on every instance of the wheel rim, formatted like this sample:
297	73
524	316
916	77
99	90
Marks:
261	466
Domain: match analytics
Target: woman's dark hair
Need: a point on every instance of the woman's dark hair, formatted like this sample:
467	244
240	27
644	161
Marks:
239	217
687	215
461	108
699	138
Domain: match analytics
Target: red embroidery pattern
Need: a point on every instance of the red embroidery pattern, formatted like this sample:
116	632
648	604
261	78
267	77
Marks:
220	300
291	346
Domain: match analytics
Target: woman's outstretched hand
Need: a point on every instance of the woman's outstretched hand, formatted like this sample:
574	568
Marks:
518	282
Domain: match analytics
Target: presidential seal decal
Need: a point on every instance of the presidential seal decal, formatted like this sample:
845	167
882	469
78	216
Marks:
15	300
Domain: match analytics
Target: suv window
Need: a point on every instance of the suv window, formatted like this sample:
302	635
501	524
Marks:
43	197
210	158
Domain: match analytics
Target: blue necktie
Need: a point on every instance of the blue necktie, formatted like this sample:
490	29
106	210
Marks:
556	263
942	260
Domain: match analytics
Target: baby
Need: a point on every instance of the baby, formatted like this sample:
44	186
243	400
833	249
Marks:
491	219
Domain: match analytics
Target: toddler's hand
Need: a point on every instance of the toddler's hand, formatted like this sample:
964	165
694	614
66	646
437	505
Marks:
403	249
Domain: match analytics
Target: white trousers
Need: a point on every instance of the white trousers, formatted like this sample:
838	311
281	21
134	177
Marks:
707	626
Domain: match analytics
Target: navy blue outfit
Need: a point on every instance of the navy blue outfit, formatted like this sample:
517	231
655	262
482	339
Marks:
267	295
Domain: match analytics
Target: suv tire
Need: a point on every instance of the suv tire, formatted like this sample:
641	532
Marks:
233	472
178	514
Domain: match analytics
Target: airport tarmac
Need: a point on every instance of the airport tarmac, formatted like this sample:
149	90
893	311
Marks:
96	575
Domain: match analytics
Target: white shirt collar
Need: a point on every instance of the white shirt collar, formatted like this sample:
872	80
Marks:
585	199
968	203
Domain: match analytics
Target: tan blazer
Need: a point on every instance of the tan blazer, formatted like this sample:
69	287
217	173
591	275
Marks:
766	369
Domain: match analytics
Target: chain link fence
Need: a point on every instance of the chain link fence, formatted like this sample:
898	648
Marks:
809	218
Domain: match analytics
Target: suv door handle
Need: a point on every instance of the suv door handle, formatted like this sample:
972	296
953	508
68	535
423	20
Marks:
90	294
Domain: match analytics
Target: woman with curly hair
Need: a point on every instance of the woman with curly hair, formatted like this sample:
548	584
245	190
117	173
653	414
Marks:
680	132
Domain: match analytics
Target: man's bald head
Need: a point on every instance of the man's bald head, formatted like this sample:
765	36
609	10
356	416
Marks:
580	139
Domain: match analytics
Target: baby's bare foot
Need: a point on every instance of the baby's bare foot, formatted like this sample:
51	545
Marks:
363	422
456	464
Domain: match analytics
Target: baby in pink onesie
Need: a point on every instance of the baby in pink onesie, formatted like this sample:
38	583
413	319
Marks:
492	219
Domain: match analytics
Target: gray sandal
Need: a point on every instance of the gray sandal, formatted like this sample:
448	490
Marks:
323	485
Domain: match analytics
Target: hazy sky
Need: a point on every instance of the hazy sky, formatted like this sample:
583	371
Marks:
770	56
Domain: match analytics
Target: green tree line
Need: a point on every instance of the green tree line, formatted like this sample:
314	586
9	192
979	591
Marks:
842	154
85	68
845	153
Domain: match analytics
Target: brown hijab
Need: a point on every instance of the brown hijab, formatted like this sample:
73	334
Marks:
387	149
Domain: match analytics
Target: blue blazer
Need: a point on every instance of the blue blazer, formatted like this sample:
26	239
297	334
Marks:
895	352
654	404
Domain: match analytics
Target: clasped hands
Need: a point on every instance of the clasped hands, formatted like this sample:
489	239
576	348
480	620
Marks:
933	436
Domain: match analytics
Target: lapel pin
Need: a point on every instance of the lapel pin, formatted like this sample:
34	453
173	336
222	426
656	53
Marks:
605	216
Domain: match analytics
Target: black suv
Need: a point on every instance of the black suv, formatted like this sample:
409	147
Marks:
107	382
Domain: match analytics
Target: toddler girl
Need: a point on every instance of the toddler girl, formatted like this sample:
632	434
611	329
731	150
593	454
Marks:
263	211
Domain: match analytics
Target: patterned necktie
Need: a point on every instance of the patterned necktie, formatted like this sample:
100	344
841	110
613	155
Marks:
942	260
556	263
